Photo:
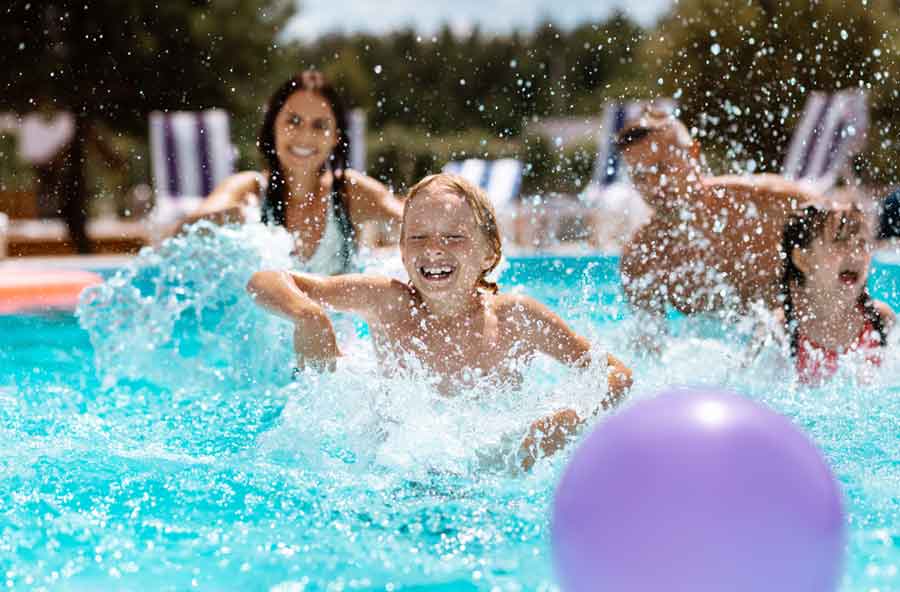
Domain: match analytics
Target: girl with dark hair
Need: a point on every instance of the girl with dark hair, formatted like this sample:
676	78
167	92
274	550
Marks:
307	186
828	312
889	219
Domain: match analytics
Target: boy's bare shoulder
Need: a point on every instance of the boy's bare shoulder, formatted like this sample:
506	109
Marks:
518	306
394	298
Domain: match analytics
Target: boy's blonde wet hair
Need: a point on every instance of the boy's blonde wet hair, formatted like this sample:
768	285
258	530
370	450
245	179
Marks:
481	206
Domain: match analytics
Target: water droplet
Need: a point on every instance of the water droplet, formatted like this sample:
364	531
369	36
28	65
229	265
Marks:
378	69
844	34
715	49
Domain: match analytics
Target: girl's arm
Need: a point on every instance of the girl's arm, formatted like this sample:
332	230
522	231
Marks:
548	333
301	299
888	317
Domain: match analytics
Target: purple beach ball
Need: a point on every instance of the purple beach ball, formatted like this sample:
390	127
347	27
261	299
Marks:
698	491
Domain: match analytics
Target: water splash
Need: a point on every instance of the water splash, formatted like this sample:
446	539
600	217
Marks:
181	310
350	480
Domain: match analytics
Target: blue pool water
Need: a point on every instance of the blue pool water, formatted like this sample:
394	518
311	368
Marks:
156	442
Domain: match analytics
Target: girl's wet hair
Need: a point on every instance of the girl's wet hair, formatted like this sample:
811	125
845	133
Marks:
799	233
481	206
312	81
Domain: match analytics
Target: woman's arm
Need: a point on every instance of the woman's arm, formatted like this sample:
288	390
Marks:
226	202
370	201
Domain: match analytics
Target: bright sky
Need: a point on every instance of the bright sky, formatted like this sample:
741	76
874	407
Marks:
322	16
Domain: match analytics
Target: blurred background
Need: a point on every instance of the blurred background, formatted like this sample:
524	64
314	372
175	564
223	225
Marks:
432	82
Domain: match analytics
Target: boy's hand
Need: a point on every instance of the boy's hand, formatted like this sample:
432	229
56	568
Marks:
552	433
619	381
315	343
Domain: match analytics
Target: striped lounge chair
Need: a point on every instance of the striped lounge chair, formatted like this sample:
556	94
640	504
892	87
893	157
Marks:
501	179
831	131
191	153
889	217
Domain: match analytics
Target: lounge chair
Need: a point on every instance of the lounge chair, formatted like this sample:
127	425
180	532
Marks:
501	179
831	131
191	153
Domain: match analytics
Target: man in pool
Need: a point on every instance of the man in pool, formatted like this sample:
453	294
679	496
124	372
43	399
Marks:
712	242
449	317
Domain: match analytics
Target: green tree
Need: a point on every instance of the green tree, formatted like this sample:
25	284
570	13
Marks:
111	62
742	69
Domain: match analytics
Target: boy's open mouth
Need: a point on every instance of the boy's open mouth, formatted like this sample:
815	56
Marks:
848	277
437	272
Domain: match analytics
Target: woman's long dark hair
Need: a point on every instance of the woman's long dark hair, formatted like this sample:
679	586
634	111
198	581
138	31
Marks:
799	232
275	204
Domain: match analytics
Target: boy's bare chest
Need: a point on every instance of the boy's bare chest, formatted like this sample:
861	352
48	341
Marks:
450	349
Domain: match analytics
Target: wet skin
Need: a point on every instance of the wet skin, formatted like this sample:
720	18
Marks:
706	233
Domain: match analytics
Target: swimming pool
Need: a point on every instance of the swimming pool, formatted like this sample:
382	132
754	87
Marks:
158	443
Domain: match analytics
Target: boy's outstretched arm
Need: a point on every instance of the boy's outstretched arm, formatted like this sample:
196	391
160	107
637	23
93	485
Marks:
300	298
291	295
549	334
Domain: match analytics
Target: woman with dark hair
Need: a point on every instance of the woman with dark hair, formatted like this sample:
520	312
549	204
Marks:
307	187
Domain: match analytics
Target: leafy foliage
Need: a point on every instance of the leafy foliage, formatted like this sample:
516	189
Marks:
743	69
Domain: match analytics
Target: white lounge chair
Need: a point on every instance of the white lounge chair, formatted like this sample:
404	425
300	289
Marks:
501	179
191	153
831	131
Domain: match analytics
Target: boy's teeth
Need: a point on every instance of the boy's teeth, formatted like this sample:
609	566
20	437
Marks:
437	270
